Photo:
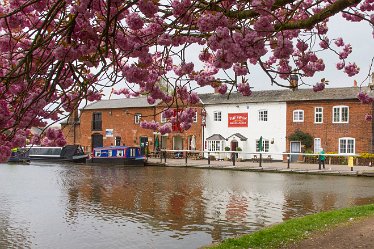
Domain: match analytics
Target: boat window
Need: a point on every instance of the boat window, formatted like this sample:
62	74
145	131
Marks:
120	153
97	153
45	151
110	153
132	152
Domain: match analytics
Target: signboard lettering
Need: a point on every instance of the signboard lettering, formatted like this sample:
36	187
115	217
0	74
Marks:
238	119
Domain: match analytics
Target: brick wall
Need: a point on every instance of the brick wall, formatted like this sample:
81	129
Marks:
330	132
123	125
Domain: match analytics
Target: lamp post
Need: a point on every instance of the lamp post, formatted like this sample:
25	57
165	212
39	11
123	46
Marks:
203	124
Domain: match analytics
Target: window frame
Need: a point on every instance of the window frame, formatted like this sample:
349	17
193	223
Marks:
163	119
97	124
217	116
265	145
346	139
317	113
340	114
195	117
263	115
315	148
212	145
298	120
137	118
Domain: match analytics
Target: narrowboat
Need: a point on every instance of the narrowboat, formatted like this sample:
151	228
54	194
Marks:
69	153
118	155
19	155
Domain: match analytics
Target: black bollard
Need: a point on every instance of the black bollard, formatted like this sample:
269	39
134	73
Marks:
288	162
260	160
208	158
186	157
233	159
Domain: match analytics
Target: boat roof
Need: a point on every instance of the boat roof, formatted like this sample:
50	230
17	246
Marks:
114	147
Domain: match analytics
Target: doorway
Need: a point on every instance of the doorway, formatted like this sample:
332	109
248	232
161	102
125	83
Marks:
233	145
177	143
143	145
97	140
295	148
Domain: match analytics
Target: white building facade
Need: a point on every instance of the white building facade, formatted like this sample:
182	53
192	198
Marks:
236	124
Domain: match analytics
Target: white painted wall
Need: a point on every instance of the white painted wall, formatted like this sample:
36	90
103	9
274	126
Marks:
274	128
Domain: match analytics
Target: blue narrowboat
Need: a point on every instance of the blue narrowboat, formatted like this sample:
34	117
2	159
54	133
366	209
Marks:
118	155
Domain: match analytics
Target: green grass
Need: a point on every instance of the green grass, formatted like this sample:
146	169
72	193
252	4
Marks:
296	229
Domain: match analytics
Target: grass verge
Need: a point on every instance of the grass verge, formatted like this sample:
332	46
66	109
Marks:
295	229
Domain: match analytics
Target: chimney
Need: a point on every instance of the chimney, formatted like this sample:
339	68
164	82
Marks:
294	80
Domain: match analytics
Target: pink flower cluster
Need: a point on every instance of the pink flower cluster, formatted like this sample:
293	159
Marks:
364	98
351	69
244	89
319	87
368	117
149	125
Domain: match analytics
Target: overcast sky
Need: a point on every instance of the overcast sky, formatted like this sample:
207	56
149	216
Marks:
359	35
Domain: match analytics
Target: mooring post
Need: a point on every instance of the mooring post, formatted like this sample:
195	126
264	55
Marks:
208	158
186	157
260	160
233	159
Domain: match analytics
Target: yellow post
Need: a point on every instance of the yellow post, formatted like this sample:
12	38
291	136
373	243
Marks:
350	162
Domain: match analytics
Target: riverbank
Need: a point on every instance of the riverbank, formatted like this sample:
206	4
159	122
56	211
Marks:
275	167
344	228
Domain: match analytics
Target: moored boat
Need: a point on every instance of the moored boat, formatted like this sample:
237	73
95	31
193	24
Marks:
19	155
118	155
70	153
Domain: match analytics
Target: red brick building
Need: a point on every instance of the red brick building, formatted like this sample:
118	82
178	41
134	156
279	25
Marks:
335	119
117	122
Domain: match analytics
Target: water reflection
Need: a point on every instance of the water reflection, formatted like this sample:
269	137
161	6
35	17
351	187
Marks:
81	206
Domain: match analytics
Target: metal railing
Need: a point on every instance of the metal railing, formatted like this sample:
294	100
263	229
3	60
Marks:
233	156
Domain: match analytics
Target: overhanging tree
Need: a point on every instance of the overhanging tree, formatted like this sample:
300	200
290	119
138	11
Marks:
54	54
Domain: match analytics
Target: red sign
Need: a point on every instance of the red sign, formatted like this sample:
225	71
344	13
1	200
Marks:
238	119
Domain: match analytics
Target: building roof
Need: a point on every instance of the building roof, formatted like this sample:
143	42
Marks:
120	103
216	137
286	95
240	136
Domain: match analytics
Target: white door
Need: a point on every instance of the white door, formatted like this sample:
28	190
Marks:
295	148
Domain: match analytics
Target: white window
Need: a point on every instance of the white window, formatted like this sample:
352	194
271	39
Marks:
137	118
318	115
163	119
340	114
317	145
217	116
262	115
298	116
346	145
265	145
132	152
215	145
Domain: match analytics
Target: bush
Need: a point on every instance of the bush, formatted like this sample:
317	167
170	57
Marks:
238	149
227	148
305	138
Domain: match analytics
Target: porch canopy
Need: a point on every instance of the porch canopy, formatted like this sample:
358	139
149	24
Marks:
238	135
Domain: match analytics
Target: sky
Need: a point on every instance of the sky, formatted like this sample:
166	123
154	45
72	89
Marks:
359	35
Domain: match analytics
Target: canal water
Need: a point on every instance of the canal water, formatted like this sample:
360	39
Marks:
82	206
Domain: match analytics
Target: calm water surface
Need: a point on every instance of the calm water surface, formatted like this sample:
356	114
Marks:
79	206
